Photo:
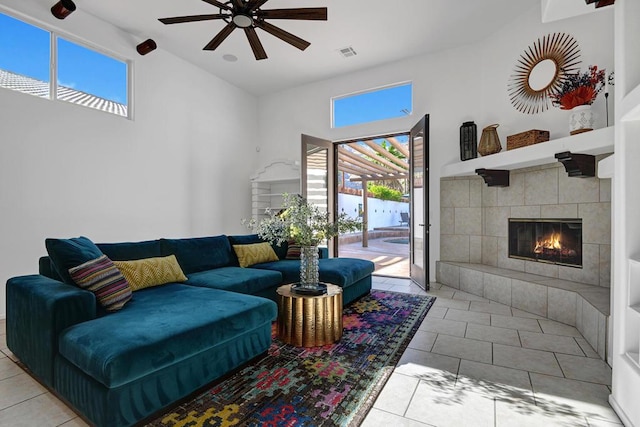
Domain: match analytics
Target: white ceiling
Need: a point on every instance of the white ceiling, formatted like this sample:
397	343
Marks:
380	31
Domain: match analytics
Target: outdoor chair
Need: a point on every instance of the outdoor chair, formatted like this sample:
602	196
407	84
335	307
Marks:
404	218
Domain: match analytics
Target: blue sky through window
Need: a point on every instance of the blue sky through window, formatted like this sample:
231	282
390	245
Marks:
25	50
86	70
371	106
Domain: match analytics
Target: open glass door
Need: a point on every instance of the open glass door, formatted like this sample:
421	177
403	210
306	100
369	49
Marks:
419	206
318	177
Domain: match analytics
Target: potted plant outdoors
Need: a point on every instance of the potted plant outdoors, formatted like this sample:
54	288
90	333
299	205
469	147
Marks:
577	93
307	226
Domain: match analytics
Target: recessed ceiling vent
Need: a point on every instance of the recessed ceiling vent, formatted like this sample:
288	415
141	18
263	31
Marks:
347	52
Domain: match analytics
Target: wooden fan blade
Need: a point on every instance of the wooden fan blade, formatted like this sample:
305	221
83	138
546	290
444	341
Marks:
218	4
254	41
255	4
308	13
220	37
283	35
193	18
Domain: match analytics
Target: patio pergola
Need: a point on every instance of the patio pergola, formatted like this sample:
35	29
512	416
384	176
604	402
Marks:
368	161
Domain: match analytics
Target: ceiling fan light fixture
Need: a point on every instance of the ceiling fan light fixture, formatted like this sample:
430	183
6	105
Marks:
248	15
242	21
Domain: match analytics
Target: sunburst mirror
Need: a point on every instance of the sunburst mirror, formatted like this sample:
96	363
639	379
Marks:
540	71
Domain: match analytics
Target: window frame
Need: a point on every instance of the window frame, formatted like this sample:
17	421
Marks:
366	91
54	35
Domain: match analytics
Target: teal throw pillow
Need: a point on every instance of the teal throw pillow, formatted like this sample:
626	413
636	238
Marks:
69	253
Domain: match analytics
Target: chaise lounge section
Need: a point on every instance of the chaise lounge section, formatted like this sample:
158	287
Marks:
118	368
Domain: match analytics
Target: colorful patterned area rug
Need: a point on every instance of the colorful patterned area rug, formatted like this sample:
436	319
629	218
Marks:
334	385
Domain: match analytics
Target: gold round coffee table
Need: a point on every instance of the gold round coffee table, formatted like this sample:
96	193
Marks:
309	321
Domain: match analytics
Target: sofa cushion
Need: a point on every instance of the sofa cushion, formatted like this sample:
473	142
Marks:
248	239
290	269
69	253
237	279
255	253
201	253
47	269
103	278
149	272
127	251
281	250
338	271
244	239
345	271
160	327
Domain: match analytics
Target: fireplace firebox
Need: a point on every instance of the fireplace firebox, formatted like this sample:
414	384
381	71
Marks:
553	241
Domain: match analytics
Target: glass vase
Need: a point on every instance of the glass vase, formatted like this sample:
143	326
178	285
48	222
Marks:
309	275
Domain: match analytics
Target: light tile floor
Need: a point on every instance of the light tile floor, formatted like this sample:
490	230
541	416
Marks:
471	363
479	363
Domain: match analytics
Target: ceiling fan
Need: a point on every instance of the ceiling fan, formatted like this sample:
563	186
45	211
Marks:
248	15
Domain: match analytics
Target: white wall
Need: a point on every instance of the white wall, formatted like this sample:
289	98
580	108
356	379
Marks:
382	213
594	33
453	86
181	168
286	115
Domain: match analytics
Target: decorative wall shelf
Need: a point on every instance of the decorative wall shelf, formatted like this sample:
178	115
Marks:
578	165
625	268
599	141
494	177
270	183
634	291
606	167
631	105
634	358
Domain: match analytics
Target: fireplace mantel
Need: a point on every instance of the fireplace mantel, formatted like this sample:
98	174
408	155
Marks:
599	141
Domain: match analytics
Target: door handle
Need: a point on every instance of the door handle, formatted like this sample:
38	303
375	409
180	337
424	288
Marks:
421	225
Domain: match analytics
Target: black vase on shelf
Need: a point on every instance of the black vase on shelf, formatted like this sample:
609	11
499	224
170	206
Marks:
468	141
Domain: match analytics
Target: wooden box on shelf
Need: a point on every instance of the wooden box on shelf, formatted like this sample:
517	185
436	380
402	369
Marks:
530	137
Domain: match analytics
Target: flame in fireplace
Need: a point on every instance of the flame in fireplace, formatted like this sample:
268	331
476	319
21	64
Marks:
550	243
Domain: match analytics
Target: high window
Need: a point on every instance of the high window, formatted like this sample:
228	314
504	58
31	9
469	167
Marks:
373	105
24	52
32	58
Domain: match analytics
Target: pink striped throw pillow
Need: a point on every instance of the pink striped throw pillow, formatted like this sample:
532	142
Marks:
103	278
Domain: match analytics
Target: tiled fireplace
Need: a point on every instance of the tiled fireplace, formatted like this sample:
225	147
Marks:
474	222
542	245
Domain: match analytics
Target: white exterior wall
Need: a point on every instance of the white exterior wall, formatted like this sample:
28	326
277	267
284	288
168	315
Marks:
181	168
453	86
382	213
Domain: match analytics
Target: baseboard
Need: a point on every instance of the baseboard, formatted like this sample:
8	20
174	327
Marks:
619	412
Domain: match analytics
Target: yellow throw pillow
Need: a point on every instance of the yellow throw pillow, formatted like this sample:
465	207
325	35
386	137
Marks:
255	253
148	272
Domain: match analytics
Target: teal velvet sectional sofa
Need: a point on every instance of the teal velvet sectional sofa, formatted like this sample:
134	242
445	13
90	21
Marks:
118	368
